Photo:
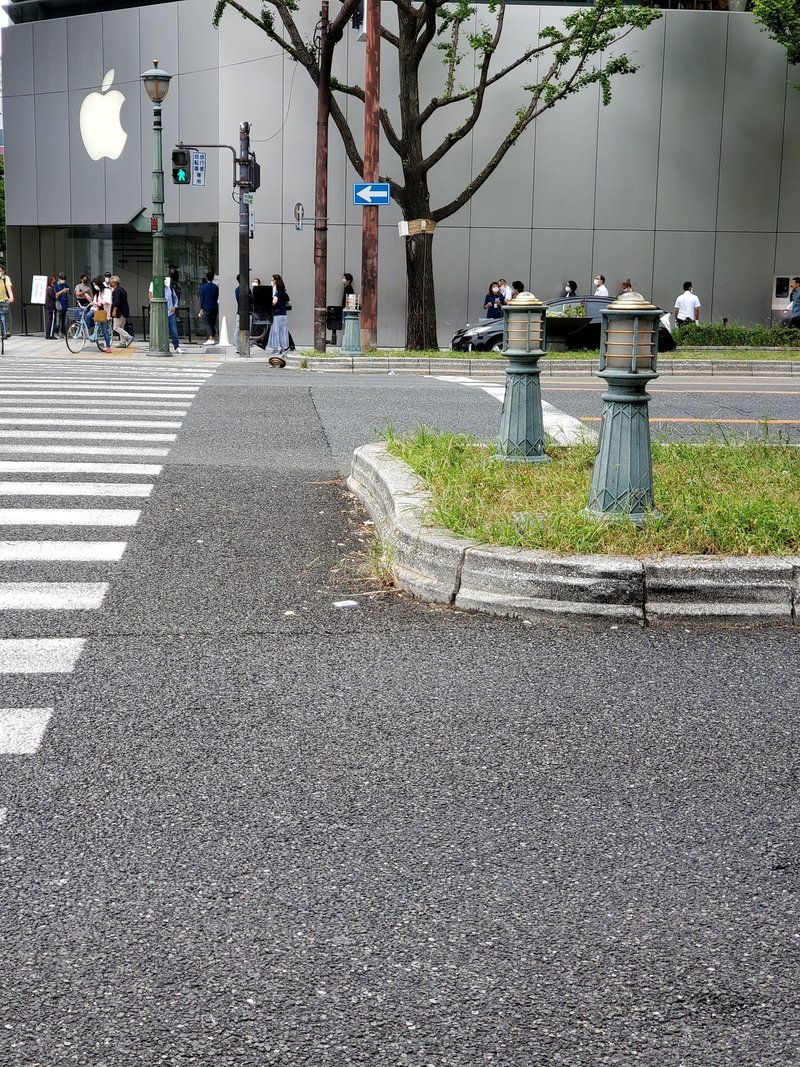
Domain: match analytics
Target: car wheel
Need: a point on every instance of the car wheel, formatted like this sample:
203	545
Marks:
497	348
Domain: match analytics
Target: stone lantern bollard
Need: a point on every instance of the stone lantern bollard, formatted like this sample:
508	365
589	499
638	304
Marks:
521	424
351	337
622	478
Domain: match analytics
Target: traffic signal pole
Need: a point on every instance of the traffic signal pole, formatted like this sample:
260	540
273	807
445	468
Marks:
243	340
369	217
246	180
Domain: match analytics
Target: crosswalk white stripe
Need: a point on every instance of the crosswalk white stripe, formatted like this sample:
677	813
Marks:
32	466
62	551
82	450
47	410
52	596
98	383
22	730
75	489
69	516
85	435
54	404
132	424
39	655
161	394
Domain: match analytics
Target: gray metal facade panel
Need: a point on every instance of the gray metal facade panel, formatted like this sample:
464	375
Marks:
743	294
680	257
495	253
565	163
19	131
53	184
752	129
627	138
17	62
691	121
559	256
790	164
621	254
49	57
86	55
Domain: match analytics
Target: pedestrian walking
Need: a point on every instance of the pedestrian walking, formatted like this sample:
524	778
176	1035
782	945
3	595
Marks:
83	293
208	298
62	291
6	300
347	288
281	304
171	297
600	285
50	312
120	312
687	307
570	289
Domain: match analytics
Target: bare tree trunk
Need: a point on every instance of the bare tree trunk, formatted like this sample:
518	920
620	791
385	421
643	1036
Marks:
421	308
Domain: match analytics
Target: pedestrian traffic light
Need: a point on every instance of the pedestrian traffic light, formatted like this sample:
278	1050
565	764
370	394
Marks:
181	174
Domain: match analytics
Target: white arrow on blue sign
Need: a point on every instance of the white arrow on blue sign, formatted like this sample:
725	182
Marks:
366	193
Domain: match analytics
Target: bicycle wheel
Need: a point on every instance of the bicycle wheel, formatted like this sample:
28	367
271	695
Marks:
76	337
99	339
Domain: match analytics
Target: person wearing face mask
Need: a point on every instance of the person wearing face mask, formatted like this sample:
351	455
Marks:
493	302
570	289
600	285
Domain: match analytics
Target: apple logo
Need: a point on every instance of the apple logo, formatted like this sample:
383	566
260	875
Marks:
101	128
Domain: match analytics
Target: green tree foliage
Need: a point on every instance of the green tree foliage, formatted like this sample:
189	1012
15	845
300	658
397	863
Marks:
582	51
781	20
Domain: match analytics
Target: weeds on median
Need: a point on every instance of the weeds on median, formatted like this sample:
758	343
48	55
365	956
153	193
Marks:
730	496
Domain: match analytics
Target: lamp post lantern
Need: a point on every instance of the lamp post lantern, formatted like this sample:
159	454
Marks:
521	421
622	478
156	85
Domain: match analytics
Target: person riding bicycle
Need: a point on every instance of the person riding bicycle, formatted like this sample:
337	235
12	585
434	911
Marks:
98	305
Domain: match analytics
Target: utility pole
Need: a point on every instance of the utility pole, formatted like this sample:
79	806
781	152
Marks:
245	185
369	218
321	183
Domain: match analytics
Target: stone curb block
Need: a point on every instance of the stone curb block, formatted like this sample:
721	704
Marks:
522	583
694	586
437	566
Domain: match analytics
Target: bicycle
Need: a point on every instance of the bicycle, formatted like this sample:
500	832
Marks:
78	333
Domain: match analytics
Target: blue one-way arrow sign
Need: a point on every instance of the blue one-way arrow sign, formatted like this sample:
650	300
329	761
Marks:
366	193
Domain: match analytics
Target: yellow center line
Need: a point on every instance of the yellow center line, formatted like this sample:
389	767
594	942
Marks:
713	422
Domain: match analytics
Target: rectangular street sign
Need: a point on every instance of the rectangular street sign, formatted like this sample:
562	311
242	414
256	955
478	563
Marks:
367	193
198	168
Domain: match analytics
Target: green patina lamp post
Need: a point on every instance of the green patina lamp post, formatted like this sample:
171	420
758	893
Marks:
156	85
521	424
351	337
622	479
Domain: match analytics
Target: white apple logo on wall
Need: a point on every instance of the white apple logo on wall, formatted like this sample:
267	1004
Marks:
101	128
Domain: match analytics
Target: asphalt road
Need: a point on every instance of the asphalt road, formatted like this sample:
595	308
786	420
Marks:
260	828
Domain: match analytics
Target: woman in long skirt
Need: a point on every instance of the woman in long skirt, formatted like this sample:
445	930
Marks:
279	333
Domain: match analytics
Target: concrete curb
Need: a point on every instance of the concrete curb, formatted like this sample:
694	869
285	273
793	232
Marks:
439	567
473	367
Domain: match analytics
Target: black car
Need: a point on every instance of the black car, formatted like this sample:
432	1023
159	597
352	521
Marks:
568	327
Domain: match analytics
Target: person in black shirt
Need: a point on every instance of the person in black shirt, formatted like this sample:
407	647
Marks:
120	312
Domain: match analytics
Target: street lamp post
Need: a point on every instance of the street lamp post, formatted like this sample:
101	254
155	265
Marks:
156	85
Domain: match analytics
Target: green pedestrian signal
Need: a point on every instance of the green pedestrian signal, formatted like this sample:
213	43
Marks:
181	170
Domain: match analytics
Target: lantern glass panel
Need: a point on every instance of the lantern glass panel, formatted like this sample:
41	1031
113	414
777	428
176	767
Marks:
630	343
525	330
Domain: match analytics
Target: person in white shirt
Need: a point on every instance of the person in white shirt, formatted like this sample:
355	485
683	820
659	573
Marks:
505	289
600	285
687	307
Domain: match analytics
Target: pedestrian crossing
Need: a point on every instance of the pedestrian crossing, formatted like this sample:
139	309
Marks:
81	449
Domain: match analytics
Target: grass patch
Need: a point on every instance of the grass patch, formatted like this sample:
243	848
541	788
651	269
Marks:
734	497
783	354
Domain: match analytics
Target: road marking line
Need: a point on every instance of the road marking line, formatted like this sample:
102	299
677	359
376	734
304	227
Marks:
46	410
100	405
82	450
68	516
75	489
654	388
61	551
123	424
85	435
564	429
712	422
32	466
22	730
40	655
52	596
174	395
